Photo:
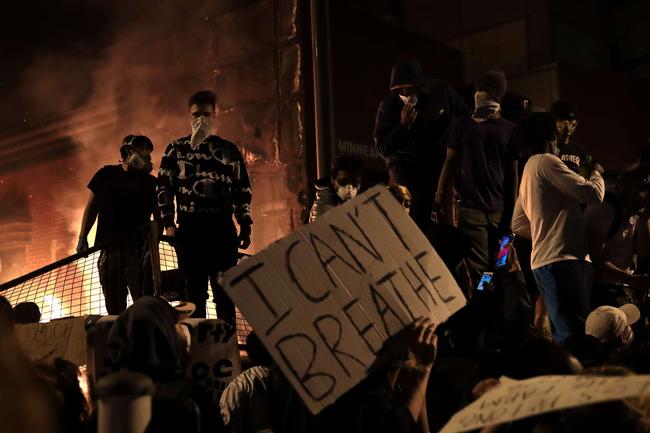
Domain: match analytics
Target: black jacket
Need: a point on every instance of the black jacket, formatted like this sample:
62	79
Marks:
417	148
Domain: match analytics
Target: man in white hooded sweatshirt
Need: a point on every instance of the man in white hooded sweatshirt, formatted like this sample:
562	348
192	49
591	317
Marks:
207	177
548	212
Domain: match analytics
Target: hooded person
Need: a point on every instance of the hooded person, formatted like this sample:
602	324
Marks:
148	337
409	124
144	338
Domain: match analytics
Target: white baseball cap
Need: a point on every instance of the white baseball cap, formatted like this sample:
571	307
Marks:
606	323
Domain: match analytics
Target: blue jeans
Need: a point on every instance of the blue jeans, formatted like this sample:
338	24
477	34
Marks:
566	288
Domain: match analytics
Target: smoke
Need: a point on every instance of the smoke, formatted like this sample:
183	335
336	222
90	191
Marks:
135	81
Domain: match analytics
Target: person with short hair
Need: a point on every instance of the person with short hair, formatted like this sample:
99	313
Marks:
205	175
482	168
548	212
343	185
122	200
27	312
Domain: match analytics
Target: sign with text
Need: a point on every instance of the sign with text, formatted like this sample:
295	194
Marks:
513	400
326	298
65	338
214	353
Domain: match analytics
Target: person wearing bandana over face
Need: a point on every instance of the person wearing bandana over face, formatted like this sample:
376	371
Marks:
409	125
343	185
122	199
481	166
207	178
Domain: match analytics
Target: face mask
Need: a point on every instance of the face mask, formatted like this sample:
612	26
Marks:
135	162
347	192
201	129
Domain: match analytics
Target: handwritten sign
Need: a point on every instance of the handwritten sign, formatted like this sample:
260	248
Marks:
326	298
65	338
214	353
514	400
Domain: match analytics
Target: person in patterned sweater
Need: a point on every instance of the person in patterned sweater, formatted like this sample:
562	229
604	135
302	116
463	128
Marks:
207	176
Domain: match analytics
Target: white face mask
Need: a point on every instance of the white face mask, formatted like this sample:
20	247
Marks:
137	163
201	129
347	192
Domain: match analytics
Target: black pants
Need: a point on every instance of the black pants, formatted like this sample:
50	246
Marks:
204	249
482	228
124	266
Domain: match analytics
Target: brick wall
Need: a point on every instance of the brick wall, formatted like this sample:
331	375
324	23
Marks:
55	194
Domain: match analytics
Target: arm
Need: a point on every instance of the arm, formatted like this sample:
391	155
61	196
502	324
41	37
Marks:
572	184
443	202
643	243
242	196
389	133
414	376
90	215
520	222
167	175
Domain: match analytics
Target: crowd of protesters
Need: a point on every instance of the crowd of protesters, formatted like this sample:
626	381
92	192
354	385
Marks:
569	297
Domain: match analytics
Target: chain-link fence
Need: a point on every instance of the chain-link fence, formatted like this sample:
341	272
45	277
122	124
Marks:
73	286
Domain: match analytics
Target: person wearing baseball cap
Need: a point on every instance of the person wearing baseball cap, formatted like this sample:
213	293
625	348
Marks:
612	326
566	121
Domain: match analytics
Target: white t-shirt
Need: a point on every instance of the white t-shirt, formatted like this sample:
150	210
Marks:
548	209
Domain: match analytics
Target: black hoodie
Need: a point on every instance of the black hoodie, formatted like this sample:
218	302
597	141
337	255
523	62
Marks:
416	150
144	339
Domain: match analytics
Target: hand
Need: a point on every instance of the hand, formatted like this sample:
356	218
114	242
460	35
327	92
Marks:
171	231
423	342
244	236
484	386
512	263
408	115
599	168
439	213
82	244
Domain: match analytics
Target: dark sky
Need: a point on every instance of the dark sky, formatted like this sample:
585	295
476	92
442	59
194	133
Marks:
33	35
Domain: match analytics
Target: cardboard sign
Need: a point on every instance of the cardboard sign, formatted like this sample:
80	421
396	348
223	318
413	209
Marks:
214	353
326	298
65	338
513	400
